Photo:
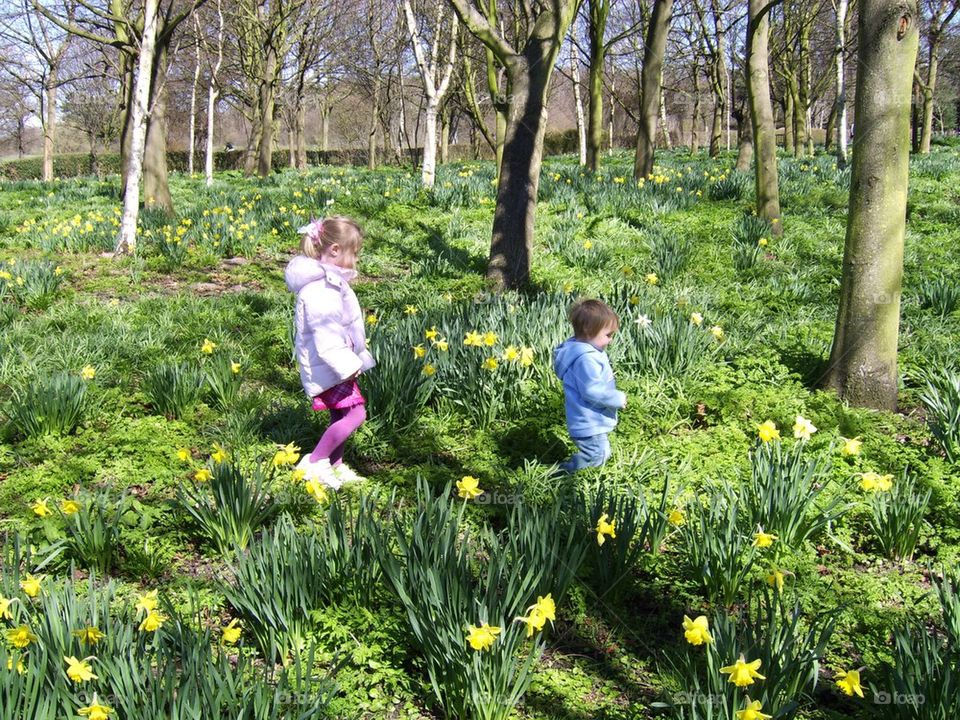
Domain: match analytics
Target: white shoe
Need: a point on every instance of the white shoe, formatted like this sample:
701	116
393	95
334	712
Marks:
319	470
346	474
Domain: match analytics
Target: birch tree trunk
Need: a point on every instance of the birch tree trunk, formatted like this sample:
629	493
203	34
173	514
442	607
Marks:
581	125
841	107
193	98
863	361
211	109
50	125
761	114
138	130
651	87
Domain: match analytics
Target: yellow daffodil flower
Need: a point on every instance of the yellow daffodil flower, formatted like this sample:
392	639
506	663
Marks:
429	370
21	668
153	621
202	475
317	489
419	351
483	637
432	333
490	364
218	455
95	711
751	711
743	673
763	539
763	242
605	528
651	279
697	631
510	353
20	637
411	310
231	633
775	578
79	670
5	604
442	345
803	428
537	614
30	585
468	487
88	372
874	482
851	447
40	508
89	635
587	244
489	338
235	368
676	517
717	332
147	602
696	319
287	455
69	506
372	319
473	339
183	455
849	682
208	346
526	356
767	431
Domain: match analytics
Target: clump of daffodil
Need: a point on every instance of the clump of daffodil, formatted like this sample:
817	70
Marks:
287	455
874	482
95	711
849	682
803	428
30	585
697	631
208	346
468	487
41	509
20	637
79	670
231	633
763	539
851	447
537	614
604	529
483	637
751	711
767	431
743	673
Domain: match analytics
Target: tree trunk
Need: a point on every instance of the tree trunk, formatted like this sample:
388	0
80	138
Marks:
211	109
138	130
325	127
745	143
761	114
789	122
595	109
578	102
863	361
374	120
651	87
695	122
841	106
928	90
511	247
664	126
128	68
500	102
191	142
266	112
831	129
156	178
428	174
299	135
50	125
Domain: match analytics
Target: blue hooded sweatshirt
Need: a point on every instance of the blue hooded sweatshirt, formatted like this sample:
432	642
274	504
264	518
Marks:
590	393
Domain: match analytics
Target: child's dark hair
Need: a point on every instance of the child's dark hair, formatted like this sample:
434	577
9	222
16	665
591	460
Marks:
590	317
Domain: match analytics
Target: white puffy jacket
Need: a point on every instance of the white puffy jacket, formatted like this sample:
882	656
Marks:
330	342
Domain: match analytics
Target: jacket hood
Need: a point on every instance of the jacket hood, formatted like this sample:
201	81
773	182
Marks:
567	353
301	271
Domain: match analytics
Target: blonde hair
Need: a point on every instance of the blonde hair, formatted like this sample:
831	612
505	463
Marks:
590	317
320	235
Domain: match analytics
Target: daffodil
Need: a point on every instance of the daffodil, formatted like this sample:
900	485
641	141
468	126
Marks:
510	353
68	506
147	602
803	428
489	338
287	455
697	631
642	321
851	447
537	614
526	356
372	319
317	489
95	711
89	372
153	621
676	517
432	333
429	370
218	455
743	673
717	332
5	604
696	319
605	528
30	585
183	455
41	509
483	637
468	487
411	310
21	668
20	637
767	431
208	346
79	670
202	475
235	368
473	339
231	633
89	635
874	482
763	242
751	711
775	578
419	351
490	364
849	682
763	539
651	279
587	244
442	345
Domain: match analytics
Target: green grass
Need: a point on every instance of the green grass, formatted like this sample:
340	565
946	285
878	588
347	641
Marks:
422	265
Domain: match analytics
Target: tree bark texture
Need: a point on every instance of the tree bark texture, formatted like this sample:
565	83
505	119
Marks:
761	114
156	180
863	360
651	87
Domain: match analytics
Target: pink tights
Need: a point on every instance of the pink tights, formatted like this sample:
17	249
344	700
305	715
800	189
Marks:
342	425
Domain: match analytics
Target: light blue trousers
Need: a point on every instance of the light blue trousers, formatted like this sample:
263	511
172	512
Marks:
593	451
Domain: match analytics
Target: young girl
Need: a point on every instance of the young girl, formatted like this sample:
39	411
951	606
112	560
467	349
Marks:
330	342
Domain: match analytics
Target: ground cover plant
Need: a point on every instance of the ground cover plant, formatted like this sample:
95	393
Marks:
753	546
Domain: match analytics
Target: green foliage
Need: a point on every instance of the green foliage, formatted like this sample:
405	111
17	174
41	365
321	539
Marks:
668	252
93	531
941	395
51	404
896	518
31	283
939	293
223	379
232	506
735	186
173	388
664	345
